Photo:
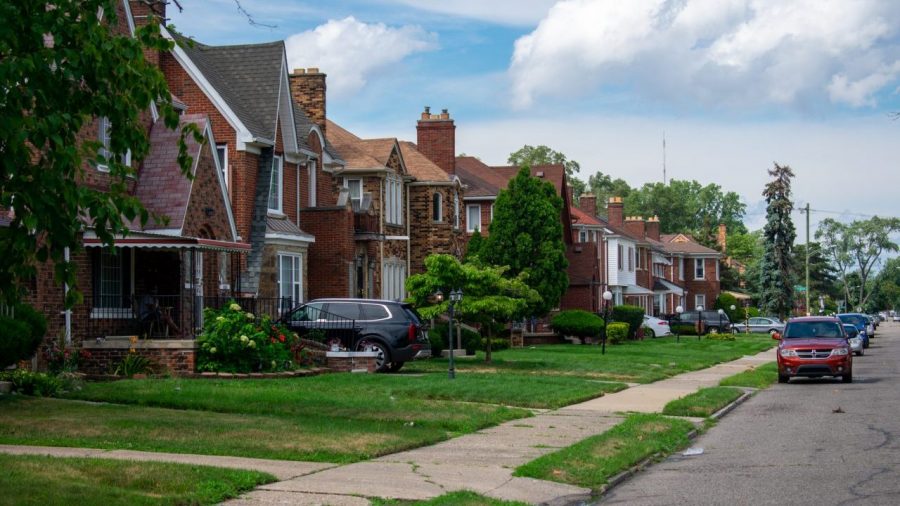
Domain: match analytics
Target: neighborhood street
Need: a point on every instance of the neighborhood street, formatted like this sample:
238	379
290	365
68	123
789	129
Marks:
807	442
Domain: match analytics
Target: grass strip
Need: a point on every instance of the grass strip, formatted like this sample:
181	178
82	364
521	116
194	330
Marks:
703	402
591	462
760	377
463	498
38	480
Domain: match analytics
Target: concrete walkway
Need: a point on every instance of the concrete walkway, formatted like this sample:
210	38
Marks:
482	462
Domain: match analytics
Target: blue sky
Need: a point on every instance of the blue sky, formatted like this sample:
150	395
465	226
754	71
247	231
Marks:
734	84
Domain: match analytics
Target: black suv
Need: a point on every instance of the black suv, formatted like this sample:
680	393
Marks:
712	322
392	329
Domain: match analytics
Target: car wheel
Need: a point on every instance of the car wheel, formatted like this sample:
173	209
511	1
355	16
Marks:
773	331
649	333
847	378
783	379
395	366
383	356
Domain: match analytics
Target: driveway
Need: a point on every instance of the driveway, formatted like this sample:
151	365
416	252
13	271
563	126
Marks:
810	442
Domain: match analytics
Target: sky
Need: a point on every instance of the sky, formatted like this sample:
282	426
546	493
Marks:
732	85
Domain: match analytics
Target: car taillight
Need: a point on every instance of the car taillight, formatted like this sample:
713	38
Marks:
412	333
663	323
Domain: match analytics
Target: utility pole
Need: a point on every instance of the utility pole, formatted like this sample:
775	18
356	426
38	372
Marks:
807	259
664	157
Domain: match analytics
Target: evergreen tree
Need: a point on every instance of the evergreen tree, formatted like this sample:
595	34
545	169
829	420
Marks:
526	235
474	247
776	269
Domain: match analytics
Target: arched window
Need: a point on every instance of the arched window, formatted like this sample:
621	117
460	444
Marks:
437	212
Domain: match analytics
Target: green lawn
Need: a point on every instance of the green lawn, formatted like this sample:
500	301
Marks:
40	480
591	462
703	402
635	361
761	377
452	499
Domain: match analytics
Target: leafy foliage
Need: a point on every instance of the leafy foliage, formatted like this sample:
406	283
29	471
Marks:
61	68
632	315
603	187
33	383
529	156
578	323
724	302
776	268
526	235
617	332
474	246
235	341
21	334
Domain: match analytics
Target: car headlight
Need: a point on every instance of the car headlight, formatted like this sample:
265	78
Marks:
837	352
787	352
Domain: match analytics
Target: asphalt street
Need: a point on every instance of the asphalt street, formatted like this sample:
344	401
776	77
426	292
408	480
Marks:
809	442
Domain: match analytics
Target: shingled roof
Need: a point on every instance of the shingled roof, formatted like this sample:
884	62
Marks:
683	243
248	77
419	166
358	153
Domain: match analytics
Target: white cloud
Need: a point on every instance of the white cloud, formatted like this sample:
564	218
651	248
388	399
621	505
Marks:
351	52
717	52
507	12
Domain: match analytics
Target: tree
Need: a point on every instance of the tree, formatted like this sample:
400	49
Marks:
603	187
822	277
526	235
489	296
60	68
689	207
776	269
858	246
474	246
529	156
886	294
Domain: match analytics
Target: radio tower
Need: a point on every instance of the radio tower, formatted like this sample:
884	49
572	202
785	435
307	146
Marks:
664	157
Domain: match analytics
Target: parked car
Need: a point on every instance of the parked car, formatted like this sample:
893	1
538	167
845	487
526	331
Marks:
860	322
392	329
896	318
814	346
712	322
760	324
856	343
655	327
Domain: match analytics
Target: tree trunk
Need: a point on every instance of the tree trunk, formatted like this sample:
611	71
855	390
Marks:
487	345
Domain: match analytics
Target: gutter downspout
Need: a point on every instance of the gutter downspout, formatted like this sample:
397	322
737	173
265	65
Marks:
408	241
381	219
67	312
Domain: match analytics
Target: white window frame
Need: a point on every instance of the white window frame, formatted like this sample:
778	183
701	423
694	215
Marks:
621	259
630	259
456	210
348	184
700	300
437	207
393	200
393	279
294	286
224	271
103	137
701	263
469	225
311	172
276	180
222	147
681	269
582	236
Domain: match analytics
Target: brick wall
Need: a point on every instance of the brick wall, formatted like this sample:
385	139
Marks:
167	356
427	236
331	256
436	139
308	90
709	286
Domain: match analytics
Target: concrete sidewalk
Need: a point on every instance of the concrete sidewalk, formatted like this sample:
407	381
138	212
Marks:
482	462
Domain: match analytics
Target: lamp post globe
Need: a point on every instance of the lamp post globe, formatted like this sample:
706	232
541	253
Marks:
678	311
607	296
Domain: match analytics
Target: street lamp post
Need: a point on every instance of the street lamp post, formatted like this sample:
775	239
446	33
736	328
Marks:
678	310
731	307
607	296
699	321
721	313
455	296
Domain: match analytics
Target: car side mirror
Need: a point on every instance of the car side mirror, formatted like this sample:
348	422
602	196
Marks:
776	336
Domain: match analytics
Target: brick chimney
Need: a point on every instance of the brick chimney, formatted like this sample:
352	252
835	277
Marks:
436	139
615	212
635	226
588	204
653	228
570	192
308	90
142	12
722	237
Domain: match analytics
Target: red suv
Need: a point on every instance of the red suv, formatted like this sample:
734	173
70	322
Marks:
814	347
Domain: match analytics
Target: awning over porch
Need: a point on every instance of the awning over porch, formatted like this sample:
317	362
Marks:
145	240
738	295
636	290
660	259
663	286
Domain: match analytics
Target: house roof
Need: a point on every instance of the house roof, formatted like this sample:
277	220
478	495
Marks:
580	217
161	186
358	153
282	226
683	243
481	179
248	77
419	166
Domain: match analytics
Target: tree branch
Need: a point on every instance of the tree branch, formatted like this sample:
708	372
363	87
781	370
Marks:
249	17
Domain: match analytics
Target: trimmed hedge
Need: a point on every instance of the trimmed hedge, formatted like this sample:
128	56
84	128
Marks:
578	323
632	315
616	332
21	335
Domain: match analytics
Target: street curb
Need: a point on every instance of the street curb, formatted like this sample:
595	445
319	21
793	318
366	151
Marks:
640	466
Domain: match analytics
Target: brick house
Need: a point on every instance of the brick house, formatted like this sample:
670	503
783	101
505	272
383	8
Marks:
697	268
178	261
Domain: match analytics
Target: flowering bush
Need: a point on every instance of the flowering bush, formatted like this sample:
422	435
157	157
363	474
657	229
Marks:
238	341
60	359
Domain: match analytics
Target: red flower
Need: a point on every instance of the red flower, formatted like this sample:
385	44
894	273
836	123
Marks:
281	337
272	339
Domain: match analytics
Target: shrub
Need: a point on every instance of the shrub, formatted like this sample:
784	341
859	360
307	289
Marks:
471	341
578	323
235	341
33	383
60	359
497	343
721	337
616	332
21	334
632	315
725	301
133	364
753	312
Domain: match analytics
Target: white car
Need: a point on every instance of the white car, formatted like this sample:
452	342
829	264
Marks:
655	327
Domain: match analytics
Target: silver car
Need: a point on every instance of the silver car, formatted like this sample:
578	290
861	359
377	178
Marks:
856	342
760	324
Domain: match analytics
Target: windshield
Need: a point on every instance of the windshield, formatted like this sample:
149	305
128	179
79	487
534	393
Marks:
805	330
851	330
853	319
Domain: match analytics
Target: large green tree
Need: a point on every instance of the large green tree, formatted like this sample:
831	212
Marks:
489	296
857	248
526	235
529	156
886	294
61	67
603	187
776	269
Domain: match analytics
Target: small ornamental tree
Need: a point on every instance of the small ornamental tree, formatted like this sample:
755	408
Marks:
526	235
725	301
577	323
776	270
488	297
632	315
